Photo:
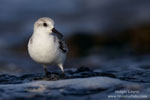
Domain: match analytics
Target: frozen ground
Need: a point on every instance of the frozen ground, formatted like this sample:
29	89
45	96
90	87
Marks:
83	84
93	88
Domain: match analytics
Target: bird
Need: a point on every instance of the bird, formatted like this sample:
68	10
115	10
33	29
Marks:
47	46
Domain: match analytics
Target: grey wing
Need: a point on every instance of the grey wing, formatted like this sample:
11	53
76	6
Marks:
62	45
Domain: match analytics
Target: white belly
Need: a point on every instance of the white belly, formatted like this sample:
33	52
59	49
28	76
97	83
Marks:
45	50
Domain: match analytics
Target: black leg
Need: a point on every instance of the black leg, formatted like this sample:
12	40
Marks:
63	74
46	71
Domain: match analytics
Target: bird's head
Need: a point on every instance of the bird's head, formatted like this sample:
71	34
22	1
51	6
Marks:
44	24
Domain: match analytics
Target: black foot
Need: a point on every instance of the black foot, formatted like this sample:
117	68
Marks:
47	74
63	75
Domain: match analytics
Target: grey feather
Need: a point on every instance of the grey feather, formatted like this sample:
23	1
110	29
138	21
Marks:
62	45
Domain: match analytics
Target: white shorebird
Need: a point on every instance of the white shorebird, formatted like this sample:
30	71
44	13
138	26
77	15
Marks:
46	45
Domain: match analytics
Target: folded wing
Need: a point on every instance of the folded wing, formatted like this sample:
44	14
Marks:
62	45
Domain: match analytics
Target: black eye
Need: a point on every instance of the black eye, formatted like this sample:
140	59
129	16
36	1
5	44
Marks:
45	24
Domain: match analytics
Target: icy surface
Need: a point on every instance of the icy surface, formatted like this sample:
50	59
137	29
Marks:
65	89
82	83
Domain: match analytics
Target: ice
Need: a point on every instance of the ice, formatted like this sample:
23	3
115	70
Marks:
95	88
61	86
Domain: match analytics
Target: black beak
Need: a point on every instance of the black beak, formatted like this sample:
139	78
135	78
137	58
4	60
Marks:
57	32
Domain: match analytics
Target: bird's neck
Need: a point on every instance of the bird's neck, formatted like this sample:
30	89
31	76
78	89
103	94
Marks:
41	32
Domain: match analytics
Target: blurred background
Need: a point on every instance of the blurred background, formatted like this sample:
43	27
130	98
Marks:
101	34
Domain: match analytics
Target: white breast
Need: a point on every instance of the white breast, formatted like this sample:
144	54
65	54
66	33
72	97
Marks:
44	49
